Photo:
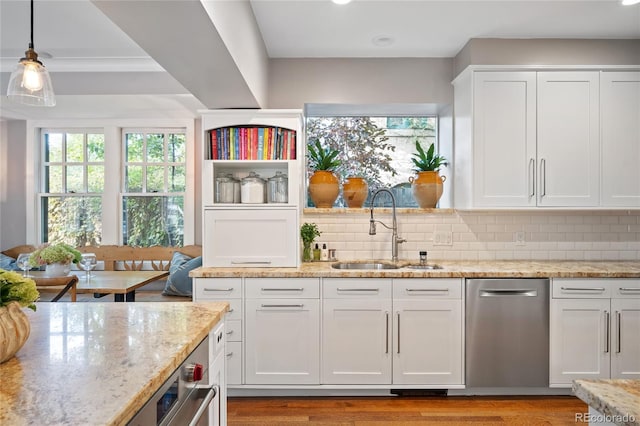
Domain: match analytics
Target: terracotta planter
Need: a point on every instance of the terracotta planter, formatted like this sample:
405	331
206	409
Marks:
427	188
14	330
324	188
355	191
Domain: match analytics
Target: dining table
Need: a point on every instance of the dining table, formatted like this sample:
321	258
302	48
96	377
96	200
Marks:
122	284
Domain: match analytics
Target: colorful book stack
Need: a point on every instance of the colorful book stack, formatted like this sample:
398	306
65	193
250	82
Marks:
251	143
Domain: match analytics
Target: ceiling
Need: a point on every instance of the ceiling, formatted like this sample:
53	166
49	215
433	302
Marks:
109	57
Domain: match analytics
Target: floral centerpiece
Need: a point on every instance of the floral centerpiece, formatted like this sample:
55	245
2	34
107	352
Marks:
61	255
16	292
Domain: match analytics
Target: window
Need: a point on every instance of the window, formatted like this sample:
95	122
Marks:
72	185
154	187
376	147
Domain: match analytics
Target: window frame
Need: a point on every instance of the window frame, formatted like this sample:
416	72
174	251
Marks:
112	193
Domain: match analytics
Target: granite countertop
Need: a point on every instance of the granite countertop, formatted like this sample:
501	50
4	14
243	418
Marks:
450	269
617	399
98	363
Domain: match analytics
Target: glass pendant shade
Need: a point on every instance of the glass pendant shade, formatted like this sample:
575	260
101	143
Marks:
30	83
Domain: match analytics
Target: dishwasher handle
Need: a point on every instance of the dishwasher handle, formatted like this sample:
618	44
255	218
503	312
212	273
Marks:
508	292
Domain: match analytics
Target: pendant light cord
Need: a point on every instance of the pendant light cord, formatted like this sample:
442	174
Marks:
31	42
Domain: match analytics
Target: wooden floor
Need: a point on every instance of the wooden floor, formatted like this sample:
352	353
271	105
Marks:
397	411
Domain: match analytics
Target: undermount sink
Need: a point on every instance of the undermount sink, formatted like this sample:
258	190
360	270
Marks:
427	266
363	265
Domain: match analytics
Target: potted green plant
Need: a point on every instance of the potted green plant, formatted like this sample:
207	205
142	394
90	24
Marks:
427	187
16	292
56	257
324	185
308	233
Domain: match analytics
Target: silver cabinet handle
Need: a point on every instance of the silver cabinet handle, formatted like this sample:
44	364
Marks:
398	315
532	177
386	350
230	310
619	329
230	354
219	289
282	289
543	176
249	262
629	289
606	336
213	391
229	332
432	290
500	292
358	289
298	305
598	289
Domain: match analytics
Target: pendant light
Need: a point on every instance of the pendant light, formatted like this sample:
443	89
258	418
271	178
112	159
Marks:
30	83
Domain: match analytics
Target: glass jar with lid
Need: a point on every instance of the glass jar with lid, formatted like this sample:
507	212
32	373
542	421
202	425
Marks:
252	189
278	188
226	187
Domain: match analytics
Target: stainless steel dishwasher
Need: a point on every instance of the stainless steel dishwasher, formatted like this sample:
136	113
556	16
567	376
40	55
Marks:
507	333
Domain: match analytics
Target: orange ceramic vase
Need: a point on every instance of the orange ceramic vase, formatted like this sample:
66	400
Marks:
324	188
355	191
427	188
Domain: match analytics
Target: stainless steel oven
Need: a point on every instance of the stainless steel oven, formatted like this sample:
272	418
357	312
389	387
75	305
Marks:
185	398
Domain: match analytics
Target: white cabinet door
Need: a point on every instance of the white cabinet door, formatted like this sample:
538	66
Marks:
356	341
282	341
625	341
579	340
250	238
427	346
504	139
620	126
568	138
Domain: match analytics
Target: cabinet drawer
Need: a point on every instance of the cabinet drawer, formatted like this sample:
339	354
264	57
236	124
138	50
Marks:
582	288
250	237
217	288
234	363
427	288
625	288
364	288
282	288
234	330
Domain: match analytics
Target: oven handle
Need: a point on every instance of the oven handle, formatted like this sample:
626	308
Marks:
213	391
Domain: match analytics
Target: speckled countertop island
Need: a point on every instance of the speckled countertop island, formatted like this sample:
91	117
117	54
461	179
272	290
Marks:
450	269
98	363
617	399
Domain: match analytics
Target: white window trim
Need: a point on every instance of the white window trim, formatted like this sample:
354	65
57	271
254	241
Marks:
111	226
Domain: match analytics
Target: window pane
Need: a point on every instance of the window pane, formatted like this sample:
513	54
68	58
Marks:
75	148
155	148
134	179
95	179
177	148
155	179
150	221
53	147
177	178
95	147
75	178
74	220
134	145
53	179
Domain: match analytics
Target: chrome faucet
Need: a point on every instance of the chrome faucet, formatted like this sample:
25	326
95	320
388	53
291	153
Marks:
395	238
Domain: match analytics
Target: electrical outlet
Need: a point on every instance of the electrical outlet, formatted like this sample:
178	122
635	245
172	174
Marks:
443	238
519	238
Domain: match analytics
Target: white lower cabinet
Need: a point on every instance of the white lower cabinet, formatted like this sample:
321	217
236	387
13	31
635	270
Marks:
282	331
595	330
400	332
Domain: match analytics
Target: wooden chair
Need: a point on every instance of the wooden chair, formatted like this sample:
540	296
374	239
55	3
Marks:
67	283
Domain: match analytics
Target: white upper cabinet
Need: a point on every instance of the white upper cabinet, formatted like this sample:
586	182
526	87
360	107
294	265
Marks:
620	127
530	139
568	139
504	139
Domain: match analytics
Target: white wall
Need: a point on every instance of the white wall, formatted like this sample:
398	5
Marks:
13	156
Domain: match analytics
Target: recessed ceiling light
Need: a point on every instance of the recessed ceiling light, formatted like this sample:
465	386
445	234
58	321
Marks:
630	2
383	40
341	1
